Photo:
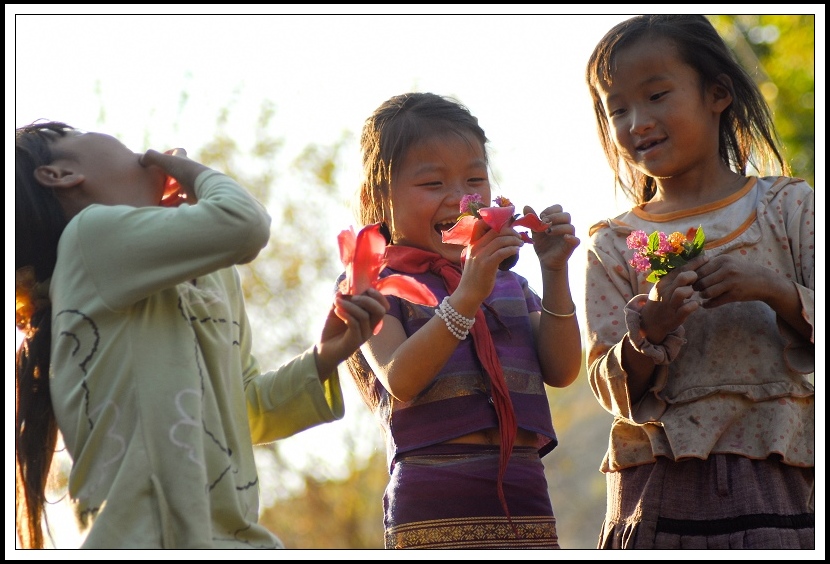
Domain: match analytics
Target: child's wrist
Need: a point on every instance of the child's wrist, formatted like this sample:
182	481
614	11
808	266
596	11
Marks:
662	353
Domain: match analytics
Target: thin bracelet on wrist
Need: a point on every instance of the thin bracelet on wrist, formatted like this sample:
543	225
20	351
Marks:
549	312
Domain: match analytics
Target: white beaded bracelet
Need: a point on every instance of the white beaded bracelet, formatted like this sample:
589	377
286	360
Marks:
457	324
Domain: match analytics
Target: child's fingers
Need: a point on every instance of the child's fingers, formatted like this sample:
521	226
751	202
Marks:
361	320
166	160
179	167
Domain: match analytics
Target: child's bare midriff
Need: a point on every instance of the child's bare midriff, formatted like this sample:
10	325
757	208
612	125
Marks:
491	437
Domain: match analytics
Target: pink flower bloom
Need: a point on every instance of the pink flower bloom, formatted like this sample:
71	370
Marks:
637	239
663	246
470	204
362	255
640	263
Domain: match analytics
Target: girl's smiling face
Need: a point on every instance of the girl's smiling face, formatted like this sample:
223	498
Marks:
662	118
427	189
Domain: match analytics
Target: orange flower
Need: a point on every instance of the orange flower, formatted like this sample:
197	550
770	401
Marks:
676	240
29	296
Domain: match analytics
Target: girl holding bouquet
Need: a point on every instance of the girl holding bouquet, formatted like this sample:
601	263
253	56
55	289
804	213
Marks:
460	390
708	371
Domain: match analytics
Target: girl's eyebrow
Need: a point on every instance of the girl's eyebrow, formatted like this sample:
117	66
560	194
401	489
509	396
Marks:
655	78
421	168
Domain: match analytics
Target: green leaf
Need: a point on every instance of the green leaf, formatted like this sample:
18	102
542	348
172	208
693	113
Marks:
674	261
700	238
654	242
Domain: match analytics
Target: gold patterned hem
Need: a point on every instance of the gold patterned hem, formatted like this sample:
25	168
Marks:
475	532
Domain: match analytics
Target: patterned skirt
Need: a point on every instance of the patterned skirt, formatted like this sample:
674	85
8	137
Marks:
445	496
724	502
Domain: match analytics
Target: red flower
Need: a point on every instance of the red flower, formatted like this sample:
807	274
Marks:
363	257
476	219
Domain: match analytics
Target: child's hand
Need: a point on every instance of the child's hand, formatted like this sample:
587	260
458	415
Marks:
181	175
725	279
670	301
350	322
482	258
556	245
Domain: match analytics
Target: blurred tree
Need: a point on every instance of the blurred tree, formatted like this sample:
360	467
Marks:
285	290
779	52
334	514
576	486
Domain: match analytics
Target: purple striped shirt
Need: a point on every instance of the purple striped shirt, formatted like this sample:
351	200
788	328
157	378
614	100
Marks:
457	402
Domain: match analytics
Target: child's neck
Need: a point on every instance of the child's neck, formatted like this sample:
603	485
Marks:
682	194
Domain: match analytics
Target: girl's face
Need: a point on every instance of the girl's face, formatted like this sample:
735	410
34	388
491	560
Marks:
663	120
427	190
112	173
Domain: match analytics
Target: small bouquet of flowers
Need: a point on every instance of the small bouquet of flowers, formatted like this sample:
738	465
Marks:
477	217
660	253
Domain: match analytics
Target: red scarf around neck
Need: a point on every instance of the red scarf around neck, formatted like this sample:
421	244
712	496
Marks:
410	260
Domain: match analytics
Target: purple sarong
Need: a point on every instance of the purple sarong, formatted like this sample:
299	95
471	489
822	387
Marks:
445	496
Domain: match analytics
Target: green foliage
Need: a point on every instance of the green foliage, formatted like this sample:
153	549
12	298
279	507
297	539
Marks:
328	514
300	261
575	483
779	52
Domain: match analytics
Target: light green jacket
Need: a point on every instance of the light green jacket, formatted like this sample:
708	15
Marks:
155	390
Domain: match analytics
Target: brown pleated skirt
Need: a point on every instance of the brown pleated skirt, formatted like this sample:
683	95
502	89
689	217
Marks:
724	502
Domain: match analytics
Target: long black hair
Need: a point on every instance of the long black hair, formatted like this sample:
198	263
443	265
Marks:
39	222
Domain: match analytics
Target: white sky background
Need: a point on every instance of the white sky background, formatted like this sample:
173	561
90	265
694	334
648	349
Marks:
521	75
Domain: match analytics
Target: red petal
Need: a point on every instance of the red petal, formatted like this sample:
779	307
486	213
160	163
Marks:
496	217
691	233
367	260
461	233
525	237
407	288
532	222
346	242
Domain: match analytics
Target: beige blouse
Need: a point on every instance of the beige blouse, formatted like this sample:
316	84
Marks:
743	382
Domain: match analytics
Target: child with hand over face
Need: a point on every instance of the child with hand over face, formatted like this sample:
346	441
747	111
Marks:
709	371
137	347
460	390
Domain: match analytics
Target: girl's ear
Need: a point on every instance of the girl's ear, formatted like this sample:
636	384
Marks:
722	92
54	176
